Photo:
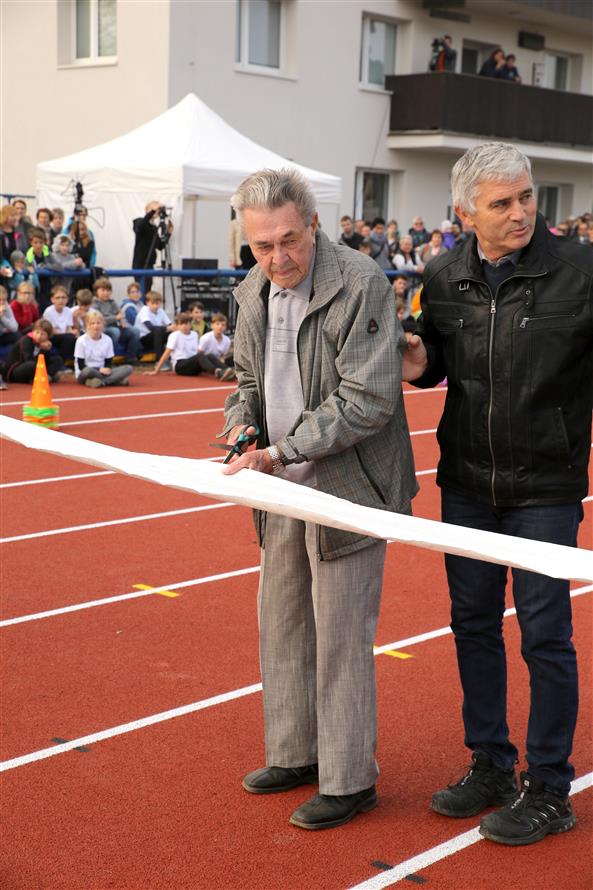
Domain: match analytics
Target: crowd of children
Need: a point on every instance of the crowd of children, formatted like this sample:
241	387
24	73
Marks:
83	338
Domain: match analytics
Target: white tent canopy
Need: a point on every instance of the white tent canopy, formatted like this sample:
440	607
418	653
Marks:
187	152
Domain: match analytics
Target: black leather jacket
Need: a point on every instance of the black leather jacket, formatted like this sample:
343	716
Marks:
516	429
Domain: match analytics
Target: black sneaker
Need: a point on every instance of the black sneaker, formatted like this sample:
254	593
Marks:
533	815
484	785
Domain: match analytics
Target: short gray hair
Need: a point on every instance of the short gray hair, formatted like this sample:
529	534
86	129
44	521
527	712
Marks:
497	161
268	189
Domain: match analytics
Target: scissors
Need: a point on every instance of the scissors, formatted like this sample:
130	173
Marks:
243	441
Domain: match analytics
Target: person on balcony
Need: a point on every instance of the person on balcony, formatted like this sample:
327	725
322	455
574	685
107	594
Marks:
443	56
510	70
494	66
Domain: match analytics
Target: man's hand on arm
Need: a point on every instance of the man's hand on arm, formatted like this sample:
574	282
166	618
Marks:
415	359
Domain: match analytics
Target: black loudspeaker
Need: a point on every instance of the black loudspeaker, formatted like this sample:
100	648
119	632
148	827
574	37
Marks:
527	40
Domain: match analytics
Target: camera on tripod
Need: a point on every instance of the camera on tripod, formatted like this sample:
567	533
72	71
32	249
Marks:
79	207
165	223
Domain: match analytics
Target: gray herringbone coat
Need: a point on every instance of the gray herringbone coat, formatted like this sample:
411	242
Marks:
350	349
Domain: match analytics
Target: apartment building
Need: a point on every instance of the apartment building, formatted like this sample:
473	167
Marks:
338	85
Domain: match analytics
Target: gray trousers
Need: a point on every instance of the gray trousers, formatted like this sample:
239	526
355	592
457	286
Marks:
119	373
317	624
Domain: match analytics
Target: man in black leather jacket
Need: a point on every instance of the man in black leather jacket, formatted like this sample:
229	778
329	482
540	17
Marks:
508	318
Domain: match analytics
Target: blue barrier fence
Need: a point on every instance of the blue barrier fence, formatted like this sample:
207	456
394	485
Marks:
222	279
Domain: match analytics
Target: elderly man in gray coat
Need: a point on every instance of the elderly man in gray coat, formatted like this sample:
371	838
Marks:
318	353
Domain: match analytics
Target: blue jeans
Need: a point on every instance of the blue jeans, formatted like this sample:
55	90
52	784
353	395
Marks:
544	613
128	337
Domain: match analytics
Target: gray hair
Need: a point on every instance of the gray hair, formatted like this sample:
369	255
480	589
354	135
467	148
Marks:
268	189
497	161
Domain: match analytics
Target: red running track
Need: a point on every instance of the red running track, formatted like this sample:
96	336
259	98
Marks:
161	807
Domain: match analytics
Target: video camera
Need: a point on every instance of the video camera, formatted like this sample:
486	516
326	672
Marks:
436	44
165	222
79	207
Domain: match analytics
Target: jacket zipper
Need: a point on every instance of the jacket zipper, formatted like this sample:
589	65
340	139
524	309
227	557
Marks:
490	404
525	321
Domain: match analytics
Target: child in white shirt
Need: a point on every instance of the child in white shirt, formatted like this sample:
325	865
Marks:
153	323
181	348
93	356
61	319
217	348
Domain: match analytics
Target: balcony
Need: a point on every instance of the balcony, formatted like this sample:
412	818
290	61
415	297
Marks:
454	111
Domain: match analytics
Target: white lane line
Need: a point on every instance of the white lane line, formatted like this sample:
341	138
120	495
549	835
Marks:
130	395
56	479
122	597
130	727
171	392
93	525
140	417
123	728
460	842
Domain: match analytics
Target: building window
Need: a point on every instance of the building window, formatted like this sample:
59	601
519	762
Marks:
372	195
547	202
95	29
555	71
473	55
258	40
377	58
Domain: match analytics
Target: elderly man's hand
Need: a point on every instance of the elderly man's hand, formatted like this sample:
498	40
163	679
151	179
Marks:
259	460
415	359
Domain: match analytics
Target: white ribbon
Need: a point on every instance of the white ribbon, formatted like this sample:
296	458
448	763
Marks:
276	495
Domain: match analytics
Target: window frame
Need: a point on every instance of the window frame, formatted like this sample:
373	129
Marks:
363	82
94	58
358	212
242	64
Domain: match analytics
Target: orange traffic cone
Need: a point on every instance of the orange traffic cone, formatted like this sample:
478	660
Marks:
41	410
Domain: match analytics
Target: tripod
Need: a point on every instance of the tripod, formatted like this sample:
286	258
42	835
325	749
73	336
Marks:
163	236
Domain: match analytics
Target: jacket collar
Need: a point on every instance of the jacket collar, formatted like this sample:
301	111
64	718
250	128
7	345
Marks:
531	260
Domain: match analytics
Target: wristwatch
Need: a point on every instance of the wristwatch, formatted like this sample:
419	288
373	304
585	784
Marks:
277	462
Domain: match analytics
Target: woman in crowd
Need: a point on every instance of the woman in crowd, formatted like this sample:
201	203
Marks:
433	248
10	239
405	259
83	247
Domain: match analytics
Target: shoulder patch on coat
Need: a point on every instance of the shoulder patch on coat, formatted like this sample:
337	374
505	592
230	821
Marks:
372	327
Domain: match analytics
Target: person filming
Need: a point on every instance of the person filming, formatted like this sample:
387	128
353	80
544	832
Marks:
152	232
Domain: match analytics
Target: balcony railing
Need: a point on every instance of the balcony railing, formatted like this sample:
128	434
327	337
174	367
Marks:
483	106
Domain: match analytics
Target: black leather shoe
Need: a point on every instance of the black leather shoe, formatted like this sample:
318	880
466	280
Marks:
274	779
484	785
331	810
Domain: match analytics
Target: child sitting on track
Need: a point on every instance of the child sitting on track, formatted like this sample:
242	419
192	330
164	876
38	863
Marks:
217	348
133	303
153	323
21	361
84	300
93	356
24	307
61	319
182	350
198	322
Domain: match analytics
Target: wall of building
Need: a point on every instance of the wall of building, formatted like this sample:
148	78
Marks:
317	113
51	108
